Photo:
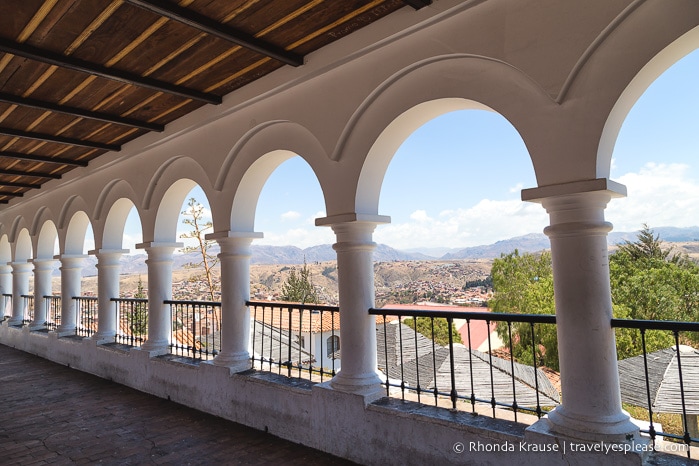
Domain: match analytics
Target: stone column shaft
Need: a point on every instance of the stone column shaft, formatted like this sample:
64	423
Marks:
591	400
108	269
71	277
42	287
5	289
355	269
235	291
159	264
20	286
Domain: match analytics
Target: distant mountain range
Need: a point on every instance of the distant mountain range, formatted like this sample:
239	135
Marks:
293	255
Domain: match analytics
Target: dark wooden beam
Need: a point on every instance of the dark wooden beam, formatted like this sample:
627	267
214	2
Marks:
214	28
57	59
59	139
4	171
16	184
417	4
79	112
8	194
44	158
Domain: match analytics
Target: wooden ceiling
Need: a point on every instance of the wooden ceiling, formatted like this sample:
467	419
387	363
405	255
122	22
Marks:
79	78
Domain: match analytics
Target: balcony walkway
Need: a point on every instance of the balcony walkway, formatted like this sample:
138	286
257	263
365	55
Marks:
51	414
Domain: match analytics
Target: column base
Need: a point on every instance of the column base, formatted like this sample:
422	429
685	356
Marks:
367	385
236	362
618	428
156	348
102	338
65	331
14	322
37	326
632	451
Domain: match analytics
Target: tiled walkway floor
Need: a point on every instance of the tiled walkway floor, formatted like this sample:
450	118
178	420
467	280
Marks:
50	414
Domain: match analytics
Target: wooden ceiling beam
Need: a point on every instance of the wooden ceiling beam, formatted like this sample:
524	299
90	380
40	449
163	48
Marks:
9	194
5	171
79	112
17	184
209	26
44	158
60	60
417	4
59	139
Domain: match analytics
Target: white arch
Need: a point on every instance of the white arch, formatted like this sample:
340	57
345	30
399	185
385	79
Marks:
688	43
75	233
46	240
115	223
250	187
385	147
23	246
165	228
5	250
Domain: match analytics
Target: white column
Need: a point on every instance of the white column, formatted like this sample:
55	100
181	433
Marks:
159	264
5	288
20	286
71	277
235	291
42	287
591	400
355	269
108	269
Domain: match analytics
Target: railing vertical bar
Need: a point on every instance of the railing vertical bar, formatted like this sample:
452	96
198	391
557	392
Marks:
454	394
470	366
417	359
402	372
434	364
686	438
385	350
651	428
512	366
490	363
536	378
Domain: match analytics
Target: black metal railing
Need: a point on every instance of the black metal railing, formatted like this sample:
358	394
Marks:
53	311
416	365
85	315
196	328
28	307
675	369
6	305
131	321
299	340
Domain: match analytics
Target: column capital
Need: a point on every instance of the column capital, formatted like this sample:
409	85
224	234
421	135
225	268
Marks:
158	245
69	257
20	267
597	185
233	235
352	217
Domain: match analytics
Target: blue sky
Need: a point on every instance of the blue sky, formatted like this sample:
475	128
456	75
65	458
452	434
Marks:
456	181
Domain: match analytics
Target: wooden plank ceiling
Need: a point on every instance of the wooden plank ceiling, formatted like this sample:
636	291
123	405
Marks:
79	78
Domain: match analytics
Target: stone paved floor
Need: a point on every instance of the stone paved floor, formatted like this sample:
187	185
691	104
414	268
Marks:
50	414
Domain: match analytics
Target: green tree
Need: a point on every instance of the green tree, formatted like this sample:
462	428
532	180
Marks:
424	325
523	284
194	218
298	287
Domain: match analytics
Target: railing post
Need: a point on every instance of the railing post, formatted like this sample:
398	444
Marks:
355	269
42	287
20	286
71	276
108	268
235	291
591	400
159	264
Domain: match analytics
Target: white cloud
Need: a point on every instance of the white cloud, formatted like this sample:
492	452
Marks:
658	194
484	223
290	215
